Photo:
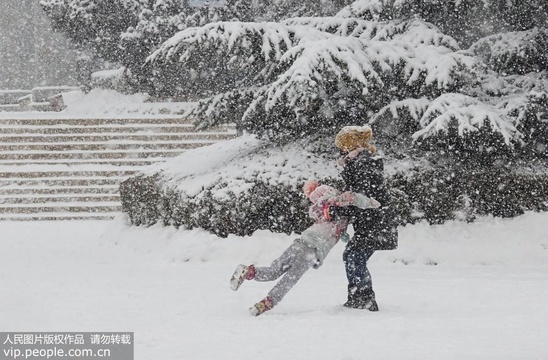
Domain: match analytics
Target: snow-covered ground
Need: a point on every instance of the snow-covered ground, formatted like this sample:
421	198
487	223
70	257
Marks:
457	291
101	103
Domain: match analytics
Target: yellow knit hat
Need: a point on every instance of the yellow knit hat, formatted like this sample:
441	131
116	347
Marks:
353	137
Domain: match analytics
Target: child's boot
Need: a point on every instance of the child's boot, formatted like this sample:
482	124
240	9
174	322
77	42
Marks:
241	273
262	306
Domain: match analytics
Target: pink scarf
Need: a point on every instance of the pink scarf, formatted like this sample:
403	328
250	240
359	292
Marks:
350	156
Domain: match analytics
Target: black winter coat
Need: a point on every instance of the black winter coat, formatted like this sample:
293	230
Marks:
374	229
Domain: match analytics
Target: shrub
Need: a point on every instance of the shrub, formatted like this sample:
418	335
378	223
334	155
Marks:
233	187
276	208
437	195
433	195
140	197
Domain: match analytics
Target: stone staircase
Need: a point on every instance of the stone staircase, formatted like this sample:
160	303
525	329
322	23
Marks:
68	168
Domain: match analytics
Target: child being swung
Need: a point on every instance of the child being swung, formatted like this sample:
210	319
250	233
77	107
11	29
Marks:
309	250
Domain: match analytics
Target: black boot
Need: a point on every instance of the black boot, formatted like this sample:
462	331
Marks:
365	299
351	301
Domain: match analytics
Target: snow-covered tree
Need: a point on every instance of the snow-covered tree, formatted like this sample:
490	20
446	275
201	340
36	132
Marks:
94	24
127	31
455	90
518	52
309	74
465	20
312	74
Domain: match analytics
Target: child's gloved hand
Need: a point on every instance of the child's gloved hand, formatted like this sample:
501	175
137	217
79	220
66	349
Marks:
374	203
363	202
345	237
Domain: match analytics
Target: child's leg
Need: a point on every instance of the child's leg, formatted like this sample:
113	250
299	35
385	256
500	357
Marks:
265	273
303	259
278	266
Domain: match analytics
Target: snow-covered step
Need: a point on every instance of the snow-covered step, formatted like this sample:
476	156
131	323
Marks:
108	128
68	168
115	145
95	121
33	166
60	207
102	137
42	173
42	190
58	216
101	128
88	154
65	181
64	198
135	163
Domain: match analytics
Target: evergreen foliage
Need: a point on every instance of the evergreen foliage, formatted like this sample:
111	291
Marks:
459	86
309	75
127	31
514	53
277	208
465	20
432	195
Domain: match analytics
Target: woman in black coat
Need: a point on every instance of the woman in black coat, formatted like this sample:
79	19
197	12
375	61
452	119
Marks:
374	229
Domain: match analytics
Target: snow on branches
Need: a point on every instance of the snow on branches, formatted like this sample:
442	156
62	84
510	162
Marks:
518	52
306	75
373	9
467	115
267	40
415	31
454	114
307	71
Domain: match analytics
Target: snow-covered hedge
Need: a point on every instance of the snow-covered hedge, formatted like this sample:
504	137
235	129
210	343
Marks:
438	195
232	187
243	185
276	208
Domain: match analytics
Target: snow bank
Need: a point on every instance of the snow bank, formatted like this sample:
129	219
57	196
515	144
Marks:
107	103
112	103
519	241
